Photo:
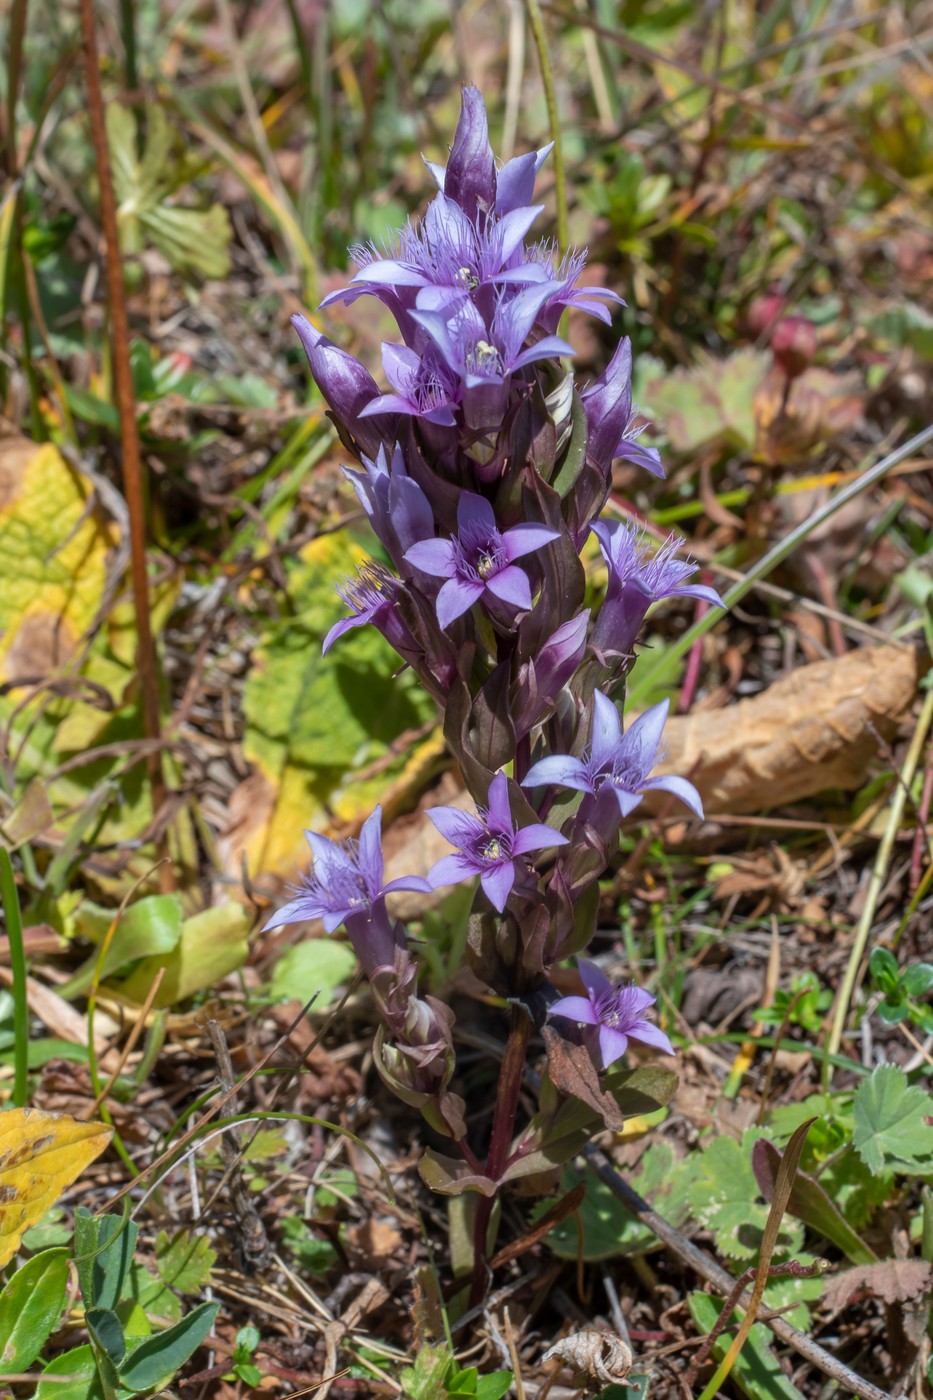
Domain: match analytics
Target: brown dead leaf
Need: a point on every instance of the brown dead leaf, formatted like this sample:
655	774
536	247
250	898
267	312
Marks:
819	406
772	873
811	730
374	1242
892	1280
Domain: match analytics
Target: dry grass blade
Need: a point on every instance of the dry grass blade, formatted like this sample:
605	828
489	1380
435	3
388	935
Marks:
783	1188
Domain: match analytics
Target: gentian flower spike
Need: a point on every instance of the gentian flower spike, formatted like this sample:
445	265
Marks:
617	1013
616	762
479	559
346	886
488	844
638	578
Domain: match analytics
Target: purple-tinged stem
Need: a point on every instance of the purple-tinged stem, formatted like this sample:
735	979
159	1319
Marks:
503	1131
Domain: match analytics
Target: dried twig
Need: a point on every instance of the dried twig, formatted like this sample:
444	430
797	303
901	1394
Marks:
724	1283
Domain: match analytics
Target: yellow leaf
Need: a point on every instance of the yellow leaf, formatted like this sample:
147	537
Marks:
41	1154
53	558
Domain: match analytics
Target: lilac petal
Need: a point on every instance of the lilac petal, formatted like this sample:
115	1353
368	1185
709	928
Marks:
401	366
437	328
579	1009
651	1034
511	229
450	870
643	737
327	855
392	403
499	812
295	911
594	979
612	1045
434	557
523	539
475	512
459	828
512	586
455	598
390	273
333	920
498	883
370	848
515	183
537	837
681	788
627	801
344	625
606	734
551	347
566	772
408	882
438	173
518	316
647	457
701	591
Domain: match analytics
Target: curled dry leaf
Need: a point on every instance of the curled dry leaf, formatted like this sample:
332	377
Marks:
892	1280
815	729
596	1358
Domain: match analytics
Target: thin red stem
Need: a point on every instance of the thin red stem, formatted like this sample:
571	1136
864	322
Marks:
126	404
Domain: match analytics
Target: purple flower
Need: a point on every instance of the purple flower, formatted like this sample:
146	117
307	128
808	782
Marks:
616	762
479	559
371	597
618	1012
638	578
482	355
488	844
398	509
542	263
346	887
424	387
611	417
346	385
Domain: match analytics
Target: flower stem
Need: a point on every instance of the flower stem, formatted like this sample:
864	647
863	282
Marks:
536	20
503	1131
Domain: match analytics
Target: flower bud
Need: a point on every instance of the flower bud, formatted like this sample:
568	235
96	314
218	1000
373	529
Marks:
764	314
793	345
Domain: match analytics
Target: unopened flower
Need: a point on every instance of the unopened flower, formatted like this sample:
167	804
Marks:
398	509
489	844
346	886
793	345
346	384
638	578
611	418
616	762
479	558
617	1014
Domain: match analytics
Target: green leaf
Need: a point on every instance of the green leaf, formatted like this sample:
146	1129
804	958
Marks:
152	1364
609	1230
192	240
724	1198
425	1380
213	944
104	1247
106	1334
149	927
917	979
317	965
810	1203
757	1370
493	1385
153	1295
184	1262
30	1306
891	1128
884	970
80	1363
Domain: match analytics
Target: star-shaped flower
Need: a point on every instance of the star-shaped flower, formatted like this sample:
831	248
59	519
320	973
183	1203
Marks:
347	879
489	844
479	558
617	762
617	1013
